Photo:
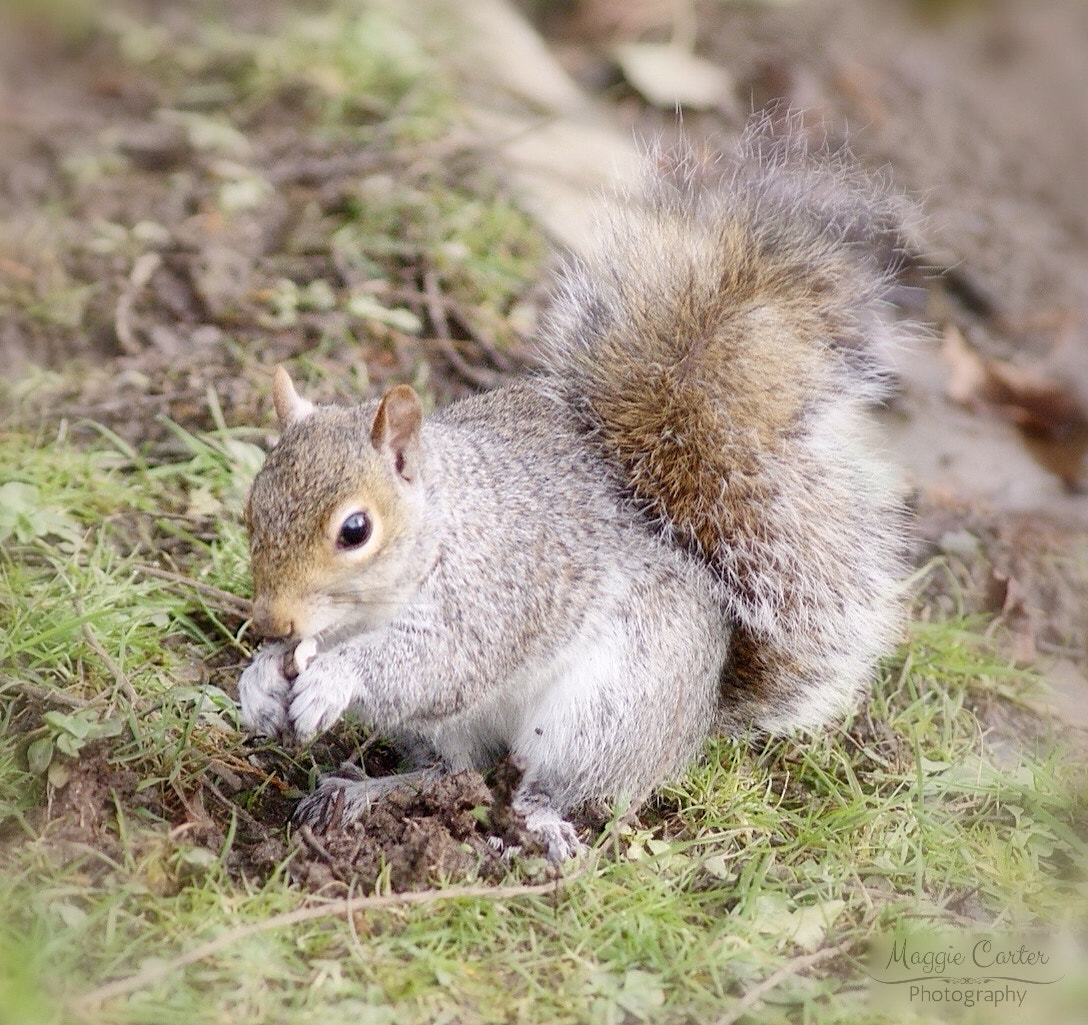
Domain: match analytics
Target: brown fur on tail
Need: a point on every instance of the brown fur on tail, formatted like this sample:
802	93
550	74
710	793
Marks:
720	347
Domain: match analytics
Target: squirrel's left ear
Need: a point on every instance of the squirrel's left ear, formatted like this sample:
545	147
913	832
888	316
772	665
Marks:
290	406
396	428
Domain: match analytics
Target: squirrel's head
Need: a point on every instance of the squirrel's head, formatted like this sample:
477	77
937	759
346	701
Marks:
333	515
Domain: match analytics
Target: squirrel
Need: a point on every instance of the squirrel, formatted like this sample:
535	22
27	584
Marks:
680	525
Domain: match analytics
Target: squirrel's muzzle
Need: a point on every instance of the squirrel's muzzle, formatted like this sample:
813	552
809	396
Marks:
271	624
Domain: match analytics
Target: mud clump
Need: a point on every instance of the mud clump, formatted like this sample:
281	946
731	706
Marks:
454	828
457	828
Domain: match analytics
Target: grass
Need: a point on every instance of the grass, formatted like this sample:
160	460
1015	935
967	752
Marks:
759	858
749	887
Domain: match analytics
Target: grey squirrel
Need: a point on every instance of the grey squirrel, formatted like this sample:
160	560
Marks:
679	526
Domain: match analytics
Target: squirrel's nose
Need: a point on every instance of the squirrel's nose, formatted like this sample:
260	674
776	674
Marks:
270	625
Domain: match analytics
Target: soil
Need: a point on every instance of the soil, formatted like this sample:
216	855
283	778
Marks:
460	827
455	828
981	114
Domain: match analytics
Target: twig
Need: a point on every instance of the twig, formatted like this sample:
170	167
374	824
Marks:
1066	651
241	606
158	971
312	171
44	694
505	361
127	404
476	376
142	271
232	807
792	967
353	929
123	683
311	841
435	305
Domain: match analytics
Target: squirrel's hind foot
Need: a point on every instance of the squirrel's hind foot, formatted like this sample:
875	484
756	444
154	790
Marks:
346	795
544	823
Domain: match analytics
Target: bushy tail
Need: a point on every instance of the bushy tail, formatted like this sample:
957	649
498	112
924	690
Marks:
721	344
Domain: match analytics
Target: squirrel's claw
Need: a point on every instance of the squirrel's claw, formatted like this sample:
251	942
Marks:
342	797
545	823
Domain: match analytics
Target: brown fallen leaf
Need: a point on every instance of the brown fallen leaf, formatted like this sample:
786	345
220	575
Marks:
1034	401
967	372
667	76
1026	395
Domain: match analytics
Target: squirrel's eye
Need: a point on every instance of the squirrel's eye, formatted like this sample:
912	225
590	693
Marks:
354	531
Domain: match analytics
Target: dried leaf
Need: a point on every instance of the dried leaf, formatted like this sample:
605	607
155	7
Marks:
669	76
967	373
1035	401
1023	394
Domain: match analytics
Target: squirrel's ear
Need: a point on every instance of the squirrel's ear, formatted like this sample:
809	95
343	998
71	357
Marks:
396	429
290	406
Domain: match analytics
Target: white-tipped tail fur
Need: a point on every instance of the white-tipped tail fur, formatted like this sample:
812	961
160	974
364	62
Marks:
721	345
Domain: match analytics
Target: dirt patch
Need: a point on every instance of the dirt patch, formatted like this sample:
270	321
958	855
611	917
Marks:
173	240
1026	577
457	827
454	828
79	812
77	822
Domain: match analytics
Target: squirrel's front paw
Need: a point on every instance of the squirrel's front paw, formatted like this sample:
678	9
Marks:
319	695
263	691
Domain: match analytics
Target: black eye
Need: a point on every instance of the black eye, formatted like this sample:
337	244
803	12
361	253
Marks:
354	531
